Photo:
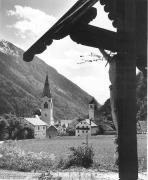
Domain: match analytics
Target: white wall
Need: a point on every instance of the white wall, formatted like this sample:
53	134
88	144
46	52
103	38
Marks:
40	132
81	129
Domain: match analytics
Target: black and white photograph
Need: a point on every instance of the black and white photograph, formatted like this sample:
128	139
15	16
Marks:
73	89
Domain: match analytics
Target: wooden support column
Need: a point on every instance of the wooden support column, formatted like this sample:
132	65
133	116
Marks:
125	101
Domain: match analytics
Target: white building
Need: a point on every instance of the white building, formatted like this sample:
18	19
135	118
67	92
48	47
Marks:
86	127
39	126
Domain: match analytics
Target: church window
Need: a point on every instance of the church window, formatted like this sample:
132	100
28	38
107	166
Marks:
91	106
46	105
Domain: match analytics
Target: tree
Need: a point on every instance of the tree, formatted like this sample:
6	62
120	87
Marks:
70	131
16	128
4	134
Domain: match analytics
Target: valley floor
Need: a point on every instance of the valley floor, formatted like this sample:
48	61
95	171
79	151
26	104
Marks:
104	149
66	175
103	146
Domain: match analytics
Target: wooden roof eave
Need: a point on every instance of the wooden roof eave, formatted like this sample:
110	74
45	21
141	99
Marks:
69	18
94	36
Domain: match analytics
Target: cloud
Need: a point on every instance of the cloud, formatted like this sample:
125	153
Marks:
64	55
29	21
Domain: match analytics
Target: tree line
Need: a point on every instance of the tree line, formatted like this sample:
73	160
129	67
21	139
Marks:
13	127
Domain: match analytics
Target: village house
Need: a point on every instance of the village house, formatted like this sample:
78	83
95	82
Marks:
85	127
39	127
88	126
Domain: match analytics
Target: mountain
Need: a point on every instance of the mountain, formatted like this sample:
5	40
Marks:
141	100
21	86
141	94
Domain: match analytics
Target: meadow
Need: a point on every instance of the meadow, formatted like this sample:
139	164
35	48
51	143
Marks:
103	146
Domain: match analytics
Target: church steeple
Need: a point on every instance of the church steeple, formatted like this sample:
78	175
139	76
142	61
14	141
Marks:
47	104
46	90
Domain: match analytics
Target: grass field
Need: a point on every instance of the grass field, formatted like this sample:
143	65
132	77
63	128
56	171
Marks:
103	146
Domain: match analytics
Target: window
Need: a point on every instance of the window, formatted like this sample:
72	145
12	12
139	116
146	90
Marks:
45	115
82	131
46	105
43	127
86	131
91	106
38	127
78	131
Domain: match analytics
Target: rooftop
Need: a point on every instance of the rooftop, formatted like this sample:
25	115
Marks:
36	121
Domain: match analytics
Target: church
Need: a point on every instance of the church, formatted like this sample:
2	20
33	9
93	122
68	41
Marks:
44	125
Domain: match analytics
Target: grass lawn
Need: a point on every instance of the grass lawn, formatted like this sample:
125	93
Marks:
103	146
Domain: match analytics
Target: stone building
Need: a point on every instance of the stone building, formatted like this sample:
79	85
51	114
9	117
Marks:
39	126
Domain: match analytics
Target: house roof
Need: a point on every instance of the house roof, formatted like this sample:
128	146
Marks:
52	126
36	121
92	123
88	122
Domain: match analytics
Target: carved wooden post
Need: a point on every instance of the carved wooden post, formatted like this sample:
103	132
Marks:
125	85
113	94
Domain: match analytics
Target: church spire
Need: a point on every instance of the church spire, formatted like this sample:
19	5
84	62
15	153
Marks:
46	90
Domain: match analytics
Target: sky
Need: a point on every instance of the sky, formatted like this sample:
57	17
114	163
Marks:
22	22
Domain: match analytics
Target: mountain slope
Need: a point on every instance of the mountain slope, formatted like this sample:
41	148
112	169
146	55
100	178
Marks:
21	86
141	100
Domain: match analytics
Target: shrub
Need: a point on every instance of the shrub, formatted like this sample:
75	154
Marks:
81	156
12	157
70	131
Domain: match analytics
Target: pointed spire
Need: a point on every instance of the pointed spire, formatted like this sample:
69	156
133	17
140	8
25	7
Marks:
92	101
46	90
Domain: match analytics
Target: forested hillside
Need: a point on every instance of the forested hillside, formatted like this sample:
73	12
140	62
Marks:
21	86
141	100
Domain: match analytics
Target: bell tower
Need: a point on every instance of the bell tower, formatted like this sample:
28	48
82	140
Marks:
92	109
47	104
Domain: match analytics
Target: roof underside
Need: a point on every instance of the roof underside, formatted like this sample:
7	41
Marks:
75	23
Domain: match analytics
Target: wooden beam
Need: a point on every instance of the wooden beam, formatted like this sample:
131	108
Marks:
93	36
